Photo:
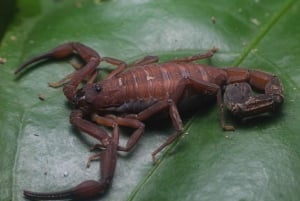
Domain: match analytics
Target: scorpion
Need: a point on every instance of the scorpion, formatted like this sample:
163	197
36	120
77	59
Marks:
131	94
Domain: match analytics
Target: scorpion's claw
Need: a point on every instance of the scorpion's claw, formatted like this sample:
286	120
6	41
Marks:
84	191
33	60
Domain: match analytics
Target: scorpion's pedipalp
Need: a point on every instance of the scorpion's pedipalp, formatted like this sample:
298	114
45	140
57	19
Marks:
88	189
63	51
90	56
59	52
61	82
83	191
33	60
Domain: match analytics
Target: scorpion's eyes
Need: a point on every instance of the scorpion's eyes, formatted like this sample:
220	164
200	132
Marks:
98	87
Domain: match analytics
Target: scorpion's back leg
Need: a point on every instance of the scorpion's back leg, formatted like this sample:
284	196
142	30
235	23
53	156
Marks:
171	102
238	95
196	57
145	61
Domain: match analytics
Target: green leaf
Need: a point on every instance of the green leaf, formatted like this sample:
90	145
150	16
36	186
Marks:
7	8
41	151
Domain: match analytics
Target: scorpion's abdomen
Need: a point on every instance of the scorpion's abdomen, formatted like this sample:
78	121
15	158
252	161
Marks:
158	81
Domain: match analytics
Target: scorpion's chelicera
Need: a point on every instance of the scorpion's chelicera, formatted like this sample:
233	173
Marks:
128	97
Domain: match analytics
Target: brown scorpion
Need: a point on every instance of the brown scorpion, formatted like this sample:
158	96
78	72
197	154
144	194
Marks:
131	94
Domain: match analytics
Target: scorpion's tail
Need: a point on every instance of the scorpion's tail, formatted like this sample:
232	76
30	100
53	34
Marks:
87	189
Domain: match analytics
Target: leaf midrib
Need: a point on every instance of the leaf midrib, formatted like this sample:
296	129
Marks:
264	31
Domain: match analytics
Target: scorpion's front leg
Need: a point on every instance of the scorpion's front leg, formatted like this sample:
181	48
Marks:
90	188
135	121
121	65
240	100
111	120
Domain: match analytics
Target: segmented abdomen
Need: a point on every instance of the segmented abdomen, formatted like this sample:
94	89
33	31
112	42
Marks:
158	81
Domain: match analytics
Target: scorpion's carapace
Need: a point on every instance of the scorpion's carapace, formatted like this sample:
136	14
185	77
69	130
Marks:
128	97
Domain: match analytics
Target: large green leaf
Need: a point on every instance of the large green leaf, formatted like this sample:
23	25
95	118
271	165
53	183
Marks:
40	150
7	8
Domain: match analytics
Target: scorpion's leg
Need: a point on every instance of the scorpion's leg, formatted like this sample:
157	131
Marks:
61	82
90	188
68	77
145	61
170	103
121	65
241	102
177	123
199	86
76	119
135	120
196	57
110	120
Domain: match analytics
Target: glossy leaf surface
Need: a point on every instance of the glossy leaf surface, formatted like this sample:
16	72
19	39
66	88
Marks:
40	150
